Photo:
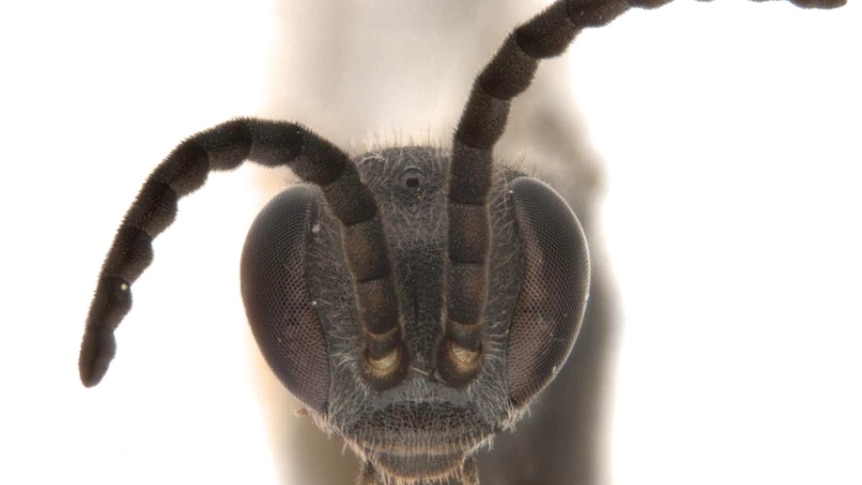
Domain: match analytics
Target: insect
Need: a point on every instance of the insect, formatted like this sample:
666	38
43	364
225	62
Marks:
461	372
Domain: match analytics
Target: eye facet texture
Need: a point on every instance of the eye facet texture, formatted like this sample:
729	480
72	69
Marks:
554	288
277	301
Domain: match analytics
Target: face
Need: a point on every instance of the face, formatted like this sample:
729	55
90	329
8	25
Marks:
301	303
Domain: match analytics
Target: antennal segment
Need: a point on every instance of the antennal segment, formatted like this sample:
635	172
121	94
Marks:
224	147
482	124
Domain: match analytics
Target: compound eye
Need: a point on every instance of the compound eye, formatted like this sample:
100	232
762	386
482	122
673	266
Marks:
277	301
554	288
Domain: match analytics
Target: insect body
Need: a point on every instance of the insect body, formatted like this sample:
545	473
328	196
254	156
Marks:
414	299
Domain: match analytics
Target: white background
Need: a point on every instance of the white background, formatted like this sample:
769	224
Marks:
730	134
